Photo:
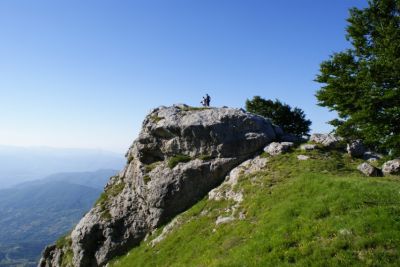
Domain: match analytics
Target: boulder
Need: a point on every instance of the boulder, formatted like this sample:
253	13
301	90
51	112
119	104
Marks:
276	148
369	170
326	140
180	155
356	148
391	167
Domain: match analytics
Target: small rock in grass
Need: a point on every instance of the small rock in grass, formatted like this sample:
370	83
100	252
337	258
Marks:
302	157
345	232
308	147
221	220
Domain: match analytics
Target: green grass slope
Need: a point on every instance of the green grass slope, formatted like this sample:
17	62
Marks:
319	212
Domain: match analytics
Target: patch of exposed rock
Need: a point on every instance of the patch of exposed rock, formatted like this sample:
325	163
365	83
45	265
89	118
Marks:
204	145
226	191
326	140
276	148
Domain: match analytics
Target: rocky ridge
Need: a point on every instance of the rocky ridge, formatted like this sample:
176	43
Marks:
181	154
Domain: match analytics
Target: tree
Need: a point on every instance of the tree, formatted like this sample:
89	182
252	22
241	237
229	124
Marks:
362	83
290	120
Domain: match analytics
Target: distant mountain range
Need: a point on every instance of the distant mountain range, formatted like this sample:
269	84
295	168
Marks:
34	214
21	164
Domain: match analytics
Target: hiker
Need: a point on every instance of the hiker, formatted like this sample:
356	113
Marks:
203	102
208	100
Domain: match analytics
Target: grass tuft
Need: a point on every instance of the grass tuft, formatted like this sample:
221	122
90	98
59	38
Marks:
148	168
65	244
206	157
173	161
106	196
155	118
146	179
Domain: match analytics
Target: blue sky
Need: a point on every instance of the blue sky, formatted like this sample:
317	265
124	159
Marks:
84	73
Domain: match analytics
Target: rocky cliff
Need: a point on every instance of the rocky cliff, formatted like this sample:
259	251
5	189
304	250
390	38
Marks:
180	155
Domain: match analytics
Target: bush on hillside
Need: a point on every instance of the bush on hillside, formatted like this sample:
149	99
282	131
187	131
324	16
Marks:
291	120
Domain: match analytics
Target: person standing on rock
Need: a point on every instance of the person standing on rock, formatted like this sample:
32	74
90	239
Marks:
208	100
203	102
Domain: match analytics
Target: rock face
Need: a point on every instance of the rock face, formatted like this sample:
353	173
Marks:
391	167
369	170
180	155
326	140
277	148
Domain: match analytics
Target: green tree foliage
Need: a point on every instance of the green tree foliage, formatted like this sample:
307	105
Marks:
290	120
362	83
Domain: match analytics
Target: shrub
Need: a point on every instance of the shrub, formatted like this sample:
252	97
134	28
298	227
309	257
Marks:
291	121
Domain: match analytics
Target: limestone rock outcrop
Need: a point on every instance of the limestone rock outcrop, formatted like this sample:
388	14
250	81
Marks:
276	148
326	140
180	155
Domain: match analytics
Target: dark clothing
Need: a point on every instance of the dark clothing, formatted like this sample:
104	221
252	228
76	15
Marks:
208	100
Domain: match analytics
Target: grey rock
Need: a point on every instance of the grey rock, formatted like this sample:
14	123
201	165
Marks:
53	255
148	193
391	167
222	220
326	140
302	157
369	170
276	148
308	147
356	148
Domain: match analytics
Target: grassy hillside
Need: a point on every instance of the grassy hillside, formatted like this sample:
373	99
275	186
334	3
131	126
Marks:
319	212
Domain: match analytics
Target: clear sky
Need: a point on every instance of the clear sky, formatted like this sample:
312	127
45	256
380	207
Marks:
79	73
